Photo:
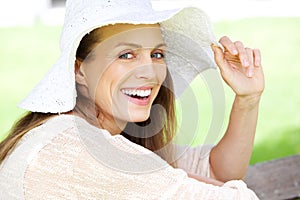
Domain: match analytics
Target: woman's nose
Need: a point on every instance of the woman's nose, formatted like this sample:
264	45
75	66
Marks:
146	71
146	68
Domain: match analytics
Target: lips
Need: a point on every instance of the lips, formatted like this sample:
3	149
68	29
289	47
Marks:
139	96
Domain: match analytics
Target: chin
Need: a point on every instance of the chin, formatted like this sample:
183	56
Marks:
139	117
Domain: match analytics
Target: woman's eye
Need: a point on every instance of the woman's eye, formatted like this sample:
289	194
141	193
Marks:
157	55
126	56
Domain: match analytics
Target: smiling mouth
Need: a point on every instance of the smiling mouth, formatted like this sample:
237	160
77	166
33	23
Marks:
137	93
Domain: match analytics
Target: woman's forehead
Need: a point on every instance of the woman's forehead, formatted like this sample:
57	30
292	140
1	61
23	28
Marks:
144	35
110	30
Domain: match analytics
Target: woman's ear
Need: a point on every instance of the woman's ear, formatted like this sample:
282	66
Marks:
79	73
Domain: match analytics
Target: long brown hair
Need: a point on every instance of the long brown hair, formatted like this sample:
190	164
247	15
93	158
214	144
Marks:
135	132
29	121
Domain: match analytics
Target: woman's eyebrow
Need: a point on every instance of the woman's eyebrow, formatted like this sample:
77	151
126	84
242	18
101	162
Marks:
160	45
137	45
128	44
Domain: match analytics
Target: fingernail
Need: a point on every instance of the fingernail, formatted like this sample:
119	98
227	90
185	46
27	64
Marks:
250	73
234	51
245	63
257	63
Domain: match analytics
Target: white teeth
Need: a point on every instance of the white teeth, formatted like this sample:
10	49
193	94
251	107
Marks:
140	93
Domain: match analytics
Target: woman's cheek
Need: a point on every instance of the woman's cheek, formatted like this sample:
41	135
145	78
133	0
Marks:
160	69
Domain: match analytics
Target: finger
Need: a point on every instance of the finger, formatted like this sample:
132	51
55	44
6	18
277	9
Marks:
219	58
257	57
250	55
228	45
243	55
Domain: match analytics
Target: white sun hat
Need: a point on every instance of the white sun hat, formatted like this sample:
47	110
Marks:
187	32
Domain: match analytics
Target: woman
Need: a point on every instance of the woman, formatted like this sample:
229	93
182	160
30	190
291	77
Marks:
121	59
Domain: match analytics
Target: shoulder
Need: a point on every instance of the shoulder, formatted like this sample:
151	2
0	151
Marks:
30	147
64	139
84	157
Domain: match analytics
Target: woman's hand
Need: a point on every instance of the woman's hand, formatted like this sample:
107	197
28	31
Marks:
240	67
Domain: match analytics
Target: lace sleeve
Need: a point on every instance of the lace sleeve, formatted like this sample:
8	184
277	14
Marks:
194	160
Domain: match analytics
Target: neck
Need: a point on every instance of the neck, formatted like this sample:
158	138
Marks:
102	121
111	124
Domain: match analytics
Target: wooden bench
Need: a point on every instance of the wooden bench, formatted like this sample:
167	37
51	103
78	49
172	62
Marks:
276	179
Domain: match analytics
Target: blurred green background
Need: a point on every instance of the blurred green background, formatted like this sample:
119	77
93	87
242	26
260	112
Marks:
27	53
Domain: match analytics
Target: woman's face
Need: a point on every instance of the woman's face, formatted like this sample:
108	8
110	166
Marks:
125	71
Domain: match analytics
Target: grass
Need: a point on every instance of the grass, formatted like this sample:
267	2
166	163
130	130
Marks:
27	53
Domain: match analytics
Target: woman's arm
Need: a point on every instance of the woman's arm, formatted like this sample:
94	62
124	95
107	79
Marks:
241	69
